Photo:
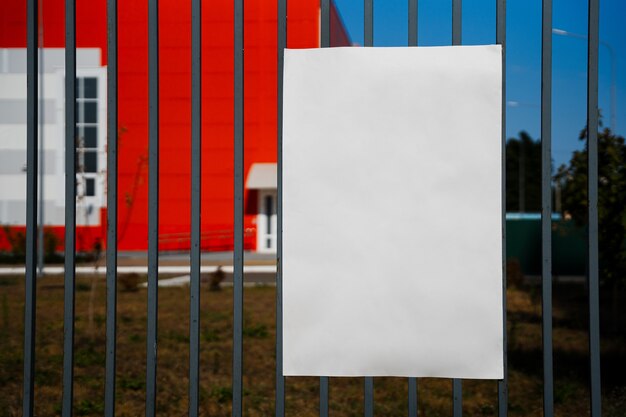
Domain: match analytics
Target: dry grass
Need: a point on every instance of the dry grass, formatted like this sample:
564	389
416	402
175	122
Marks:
480	397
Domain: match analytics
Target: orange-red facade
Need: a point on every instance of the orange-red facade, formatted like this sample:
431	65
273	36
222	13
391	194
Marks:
260	90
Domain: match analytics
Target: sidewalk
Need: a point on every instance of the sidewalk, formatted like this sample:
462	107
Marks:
182	258
138	269
169	263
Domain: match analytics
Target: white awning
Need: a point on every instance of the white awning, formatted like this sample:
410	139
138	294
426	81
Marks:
262	176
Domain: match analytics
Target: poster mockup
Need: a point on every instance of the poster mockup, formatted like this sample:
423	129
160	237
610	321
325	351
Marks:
392	212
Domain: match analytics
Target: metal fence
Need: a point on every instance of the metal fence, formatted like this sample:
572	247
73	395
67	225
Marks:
238	136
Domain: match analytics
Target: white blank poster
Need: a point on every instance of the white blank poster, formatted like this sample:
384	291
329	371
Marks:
392	205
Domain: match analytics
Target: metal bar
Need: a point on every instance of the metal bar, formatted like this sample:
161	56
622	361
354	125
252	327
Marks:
457	397
412	41
30	289
324	396
325	43
457	8
413	23
369	396
412	405
592	155
325	24
237	409
42	160
501	40
368	22
111	254
196	175
153	204
457	386
282	44
368	40
546	204
70	206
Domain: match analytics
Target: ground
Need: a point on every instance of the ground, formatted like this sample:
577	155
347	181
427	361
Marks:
346	394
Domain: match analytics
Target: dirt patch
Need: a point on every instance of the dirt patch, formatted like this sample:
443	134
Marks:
302	394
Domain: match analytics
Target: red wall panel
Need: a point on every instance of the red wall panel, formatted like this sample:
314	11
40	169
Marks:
260	91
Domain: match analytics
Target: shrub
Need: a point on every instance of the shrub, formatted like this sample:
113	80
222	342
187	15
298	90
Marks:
129	282
514	274
216	279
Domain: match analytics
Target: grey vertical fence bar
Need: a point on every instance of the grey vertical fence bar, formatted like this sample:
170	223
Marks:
111	251
153	204
238	215
325	43
546	204
412	401
501	40
592	155
325	23
412	41
369	396
30	290
42	159
457	397
457	8
412	23
368	22
70	206
324	396
196	175
281	45
368	40
457	385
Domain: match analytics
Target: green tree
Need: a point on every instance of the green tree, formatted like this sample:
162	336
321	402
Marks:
611	200
523	174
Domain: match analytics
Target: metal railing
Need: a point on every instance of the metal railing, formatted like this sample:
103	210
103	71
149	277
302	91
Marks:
210	240
238	134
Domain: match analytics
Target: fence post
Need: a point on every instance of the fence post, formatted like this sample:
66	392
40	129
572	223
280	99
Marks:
32	64
111	254
546	204
457	384
153	205
281	45
70	206
501	40
196	178
238	215
592	155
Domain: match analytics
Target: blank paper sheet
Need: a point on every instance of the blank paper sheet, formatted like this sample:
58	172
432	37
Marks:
392	212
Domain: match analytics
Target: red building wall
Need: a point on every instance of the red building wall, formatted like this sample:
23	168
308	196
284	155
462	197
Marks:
260	91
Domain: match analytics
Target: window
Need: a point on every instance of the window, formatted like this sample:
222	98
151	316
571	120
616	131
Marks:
90	186
268	215
87	135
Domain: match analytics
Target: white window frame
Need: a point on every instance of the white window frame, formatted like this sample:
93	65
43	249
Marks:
99	199
261	222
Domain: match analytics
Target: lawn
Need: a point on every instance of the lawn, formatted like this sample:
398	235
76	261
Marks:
346	394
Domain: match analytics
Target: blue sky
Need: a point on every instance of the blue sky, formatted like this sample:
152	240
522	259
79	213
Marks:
569	85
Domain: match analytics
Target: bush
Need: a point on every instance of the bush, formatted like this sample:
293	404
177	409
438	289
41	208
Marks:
514	274
129	282
216	279
50	244
17	242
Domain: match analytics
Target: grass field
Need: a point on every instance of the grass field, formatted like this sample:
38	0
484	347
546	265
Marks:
346	394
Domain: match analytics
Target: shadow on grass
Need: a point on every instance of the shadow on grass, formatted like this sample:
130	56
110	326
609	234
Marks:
571	365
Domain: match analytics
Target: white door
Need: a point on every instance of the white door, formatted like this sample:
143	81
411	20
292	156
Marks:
266	221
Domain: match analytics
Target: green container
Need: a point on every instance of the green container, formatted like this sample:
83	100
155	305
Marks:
569	249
